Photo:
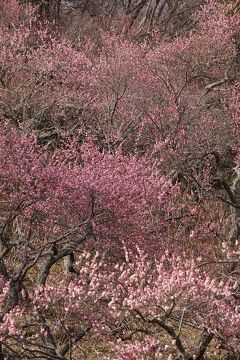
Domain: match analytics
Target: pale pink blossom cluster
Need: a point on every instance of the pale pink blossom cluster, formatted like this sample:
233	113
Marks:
173	290
154	296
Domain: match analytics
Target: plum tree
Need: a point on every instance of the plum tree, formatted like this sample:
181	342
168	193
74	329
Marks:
119	184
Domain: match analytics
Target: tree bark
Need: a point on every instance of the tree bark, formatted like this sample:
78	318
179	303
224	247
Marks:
235	211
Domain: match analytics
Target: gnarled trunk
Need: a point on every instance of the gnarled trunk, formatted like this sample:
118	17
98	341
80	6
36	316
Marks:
235	210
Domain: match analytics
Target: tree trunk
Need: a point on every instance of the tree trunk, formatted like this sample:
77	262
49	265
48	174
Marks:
48	9
235	211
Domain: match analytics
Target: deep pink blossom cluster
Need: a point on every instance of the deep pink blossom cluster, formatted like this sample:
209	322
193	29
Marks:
54	193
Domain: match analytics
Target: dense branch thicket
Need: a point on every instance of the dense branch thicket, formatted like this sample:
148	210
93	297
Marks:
119	180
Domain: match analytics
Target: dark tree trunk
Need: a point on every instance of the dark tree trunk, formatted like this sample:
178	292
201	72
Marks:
1	353
235	211
50	9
